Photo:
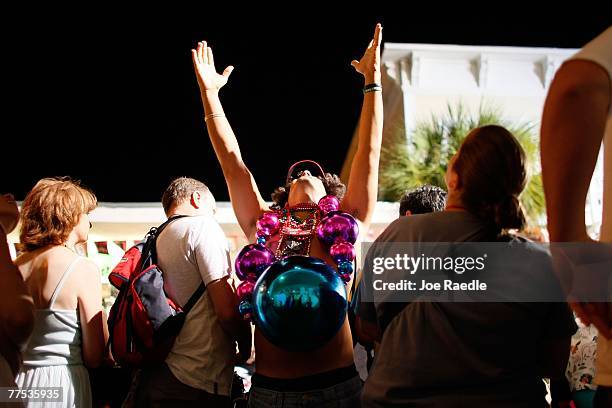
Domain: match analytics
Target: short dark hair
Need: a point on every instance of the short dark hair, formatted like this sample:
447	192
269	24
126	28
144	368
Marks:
181	189
332	183
422	200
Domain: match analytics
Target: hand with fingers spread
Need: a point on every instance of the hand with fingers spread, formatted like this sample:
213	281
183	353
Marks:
369	64
204	66
362	187
244	193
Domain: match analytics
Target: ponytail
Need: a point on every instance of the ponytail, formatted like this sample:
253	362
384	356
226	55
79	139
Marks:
490	165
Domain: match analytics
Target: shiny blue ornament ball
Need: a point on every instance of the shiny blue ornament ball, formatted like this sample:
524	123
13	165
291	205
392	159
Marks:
245	308
345	267
299	303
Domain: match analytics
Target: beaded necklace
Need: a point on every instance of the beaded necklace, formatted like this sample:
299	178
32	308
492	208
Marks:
296	234
336	230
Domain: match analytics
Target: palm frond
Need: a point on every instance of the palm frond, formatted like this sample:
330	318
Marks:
436	140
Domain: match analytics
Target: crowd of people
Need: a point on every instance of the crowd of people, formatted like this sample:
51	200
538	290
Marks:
418	354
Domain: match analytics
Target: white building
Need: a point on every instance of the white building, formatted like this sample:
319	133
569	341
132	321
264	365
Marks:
421	80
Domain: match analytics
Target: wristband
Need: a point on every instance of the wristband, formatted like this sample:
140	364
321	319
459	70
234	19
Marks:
374	87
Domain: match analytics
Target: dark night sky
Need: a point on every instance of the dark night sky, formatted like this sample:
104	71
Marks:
109	96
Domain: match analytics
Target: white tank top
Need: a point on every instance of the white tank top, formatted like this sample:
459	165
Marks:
56	338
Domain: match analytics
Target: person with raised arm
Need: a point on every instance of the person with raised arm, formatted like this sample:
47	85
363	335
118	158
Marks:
326	373
576	119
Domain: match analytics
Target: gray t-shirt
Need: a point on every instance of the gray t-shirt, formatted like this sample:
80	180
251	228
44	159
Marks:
457	354
192	250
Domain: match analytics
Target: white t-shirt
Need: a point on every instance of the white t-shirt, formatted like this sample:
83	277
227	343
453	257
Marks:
192	250
600	51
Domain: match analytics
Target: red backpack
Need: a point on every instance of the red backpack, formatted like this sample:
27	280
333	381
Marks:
143	322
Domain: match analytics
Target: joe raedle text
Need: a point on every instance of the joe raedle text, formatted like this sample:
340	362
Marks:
424	286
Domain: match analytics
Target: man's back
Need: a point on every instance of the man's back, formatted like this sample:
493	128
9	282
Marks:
191	250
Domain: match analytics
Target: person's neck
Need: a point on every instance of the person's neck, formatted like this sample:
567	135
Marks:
71	242
454	203
305	205
183	210
305	199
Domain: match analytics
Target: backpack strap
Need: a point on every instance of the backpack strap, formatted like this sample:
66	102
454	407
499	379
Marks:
159	229
194	298
153	251
149	250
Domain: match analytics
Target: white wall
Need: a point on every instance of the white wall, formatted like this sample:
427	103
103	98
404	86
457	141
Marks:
423	79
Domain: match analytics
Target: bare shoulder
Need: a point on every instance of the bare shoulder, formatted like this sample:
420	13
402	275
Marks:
582	73
22	260
88	269
84	270
60	258
86	279
25	258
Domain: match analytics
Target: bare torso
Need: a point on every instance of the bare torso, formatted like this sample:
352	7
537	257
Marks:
273	361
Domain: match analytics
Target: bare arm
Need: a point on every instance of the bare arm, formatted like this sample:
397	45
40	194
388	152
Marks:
213	261
16	308
573	126
362	189
224	300
93	321
244	193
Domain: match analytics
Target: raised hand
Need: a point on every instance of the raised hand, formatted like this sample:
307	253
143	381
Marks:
204	66
369	64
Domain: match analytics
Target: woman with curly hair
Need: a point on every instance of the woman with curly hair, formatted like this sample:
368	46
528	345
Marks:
69	327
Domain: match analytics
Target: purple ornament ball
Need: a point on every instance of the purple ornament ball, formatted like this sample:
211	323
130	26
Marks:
252	260
337	226
342	252
245	291
328	204
268	224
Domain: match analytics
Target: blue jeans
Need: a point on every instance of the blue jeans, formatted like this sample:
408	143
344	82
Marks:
342	395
